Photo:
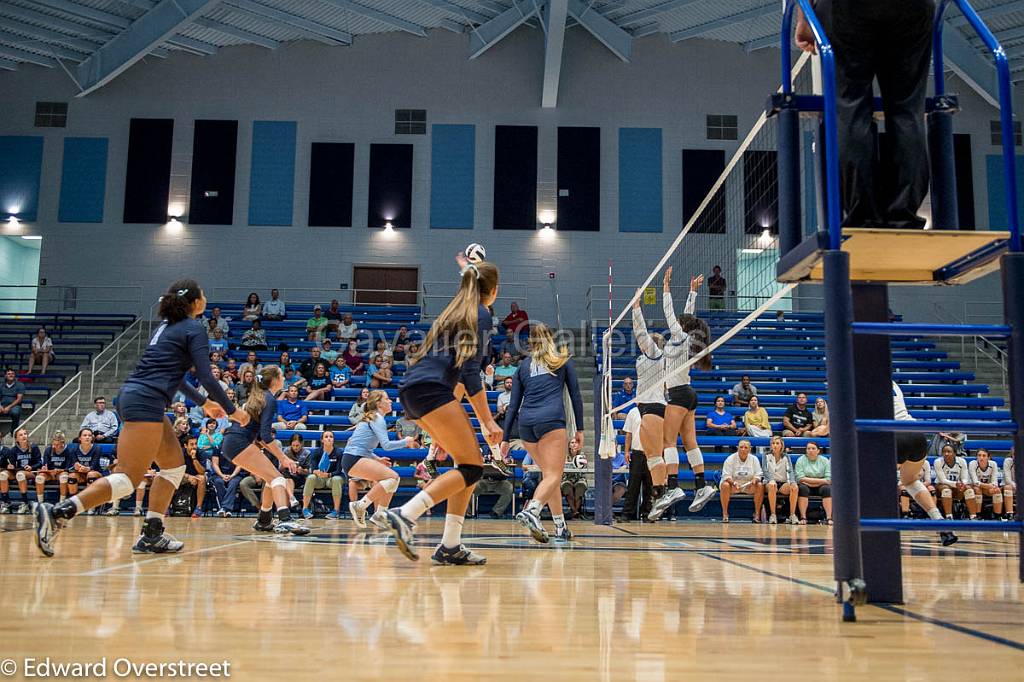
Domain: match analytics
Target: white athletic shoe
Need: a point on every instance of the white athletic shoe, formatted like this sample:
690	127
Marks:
773	519
358	515
665	502
793	520
702	497
113	511
380	521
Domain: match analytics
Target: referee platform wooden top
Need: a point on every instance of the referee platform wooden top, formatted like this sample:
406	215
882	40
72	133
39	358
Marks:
900	256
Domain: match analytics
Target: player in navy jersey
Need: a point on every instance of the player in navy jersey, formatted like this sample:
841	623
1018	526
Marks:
57	462
179	344
440	373
83	465
538	405
23	461
243	446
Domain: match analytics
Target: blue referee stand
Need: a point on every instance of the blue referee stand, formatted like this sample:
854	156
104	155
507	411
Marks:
856	267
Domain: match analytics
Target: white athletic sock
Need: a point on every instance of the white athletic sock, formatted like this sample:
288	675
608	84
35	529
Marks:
452	537
535	507
79	507
935	514
267	509
153	515
363	504
559	520
417	506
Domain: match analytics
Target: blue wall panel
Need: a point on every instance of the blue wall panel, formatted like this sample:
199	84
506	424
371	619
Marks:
452	176
272	177
640	181
83	182
21	162
997	217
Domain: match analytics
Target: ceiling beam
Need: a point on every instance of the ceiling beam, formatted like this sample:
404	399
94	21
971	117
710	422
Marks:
553	15
652	12
977	71
605	30
20	55
313	29
762	42
149	31
48	35
46	48
236	32
90	13
489	34
471	16
192	44
7	9
957	19
7	65
383	17
708	27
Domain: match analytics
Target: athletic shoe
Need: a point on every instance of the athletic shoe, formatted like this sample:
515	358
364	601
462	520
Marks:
5	508
431	466
563	534
227	514
162	544
499	464
262	527
725	519
196	513
793	520
221	513
333	515
402	530
948	538
307	514
113	511
293	527
662	504
459	556
380	521
46	528
358	515
22	508
530	522
138	511
773	519
702	497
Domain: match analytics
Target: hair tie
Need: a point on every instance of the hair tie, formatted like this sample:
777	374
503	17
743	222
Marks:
182	292
472	267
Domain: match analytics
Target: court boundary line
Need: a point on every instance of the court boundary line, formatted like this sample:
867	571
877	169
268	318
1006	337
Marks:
162	557
898	610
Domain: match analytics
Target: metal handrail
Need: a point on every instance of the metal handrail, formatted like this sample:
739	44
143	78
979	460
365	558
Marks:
116	347
218	294
49	408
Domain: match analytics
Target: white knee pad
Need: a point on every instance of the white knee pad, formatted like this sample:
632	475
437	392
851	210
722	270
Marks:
63	478
947	493
654	461
172	476
695	457
389	484
916	488
121	486
969	494
279	482
40	479
1008	494
5	475
20	477
997	498
142	485
671	456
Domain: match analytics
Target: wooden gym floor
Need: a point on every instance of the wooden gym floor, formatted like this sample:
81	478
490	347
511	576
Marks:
631	602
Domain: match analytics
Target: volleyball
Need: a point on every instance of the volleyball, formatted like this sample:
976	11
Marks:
476	253
580	461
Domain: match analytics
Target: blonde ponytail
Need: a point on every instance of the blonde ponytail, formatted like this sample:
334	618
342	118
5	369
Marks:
372	405
258	393
456	326
543	350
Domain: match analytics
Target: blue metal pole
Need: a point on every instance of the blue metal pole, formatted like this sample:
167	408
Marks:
1013	313
787	46
937	62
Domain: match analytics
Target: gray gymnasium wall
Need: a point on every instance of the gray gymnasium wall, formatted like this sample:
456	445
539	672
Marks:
349	94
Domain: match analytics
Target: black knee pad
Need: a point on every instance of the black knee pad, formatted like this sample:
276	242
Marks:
471	473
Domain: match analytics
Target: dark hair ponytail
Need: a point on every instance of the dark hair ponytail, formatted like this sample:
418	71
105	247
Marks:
700	338
176	304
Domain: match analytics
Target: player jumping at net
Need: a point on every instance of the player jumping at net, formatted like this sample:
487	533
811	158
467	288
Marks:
359	460
911	451
689	335
178	344
244	446
445	368
537	402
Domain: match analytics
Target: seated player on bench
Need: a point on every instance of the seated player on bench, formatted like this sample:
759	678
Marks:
985	481
952	482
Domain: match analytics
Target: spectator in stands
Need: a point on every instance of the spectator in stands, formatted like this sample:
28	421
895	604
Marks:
284	361
380	352
225	478
619	481
326	474
743	391
347	330
506	368
814	477
339	373
955	438
253	309
1009	485
12	392
327	352
182	429
926	478
780	477
217	322
219	376
509	345
333	316
381	375
985	481
195	474
574	485
320	386
953	481
356	412
716	289
487	376
244	387
718	421
408	428
798	420
504	398
741	475
178	411
41	350
251	364
308	367
354	359
401	343
23	460
217	343
495	481
254	338
622	397
231	370
274	309
755	420
101	421
210	438
292	413
293	378
315	325
211	329
820	419
517	322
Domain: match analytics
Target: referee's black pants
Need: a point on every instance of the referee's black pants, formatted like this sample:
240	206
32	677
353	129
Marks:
637	500
890	40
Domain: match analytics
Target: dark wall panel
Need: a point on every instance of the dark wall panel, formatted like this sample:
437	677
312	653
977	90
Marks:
390	196
214	147
147	184
515	177
701	168
760	192
964	181
579	179
330	184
